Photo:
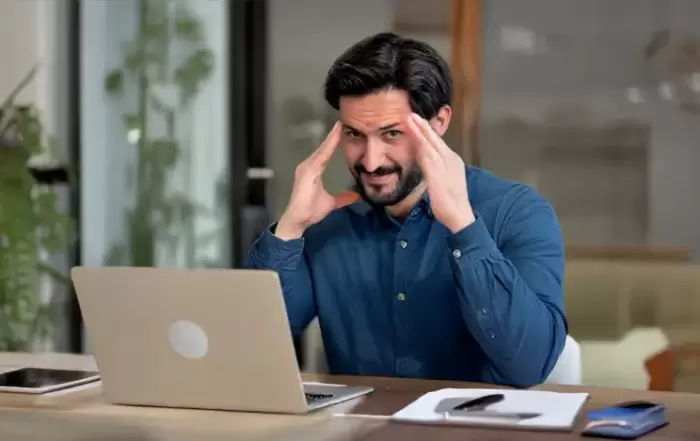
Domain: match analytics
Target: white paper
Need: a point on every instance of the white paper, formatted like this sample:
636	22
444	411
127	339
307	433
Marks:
316	383
558	410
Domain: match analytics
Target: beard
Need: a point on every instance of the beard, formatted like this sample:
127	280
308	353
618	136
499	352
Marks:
407	181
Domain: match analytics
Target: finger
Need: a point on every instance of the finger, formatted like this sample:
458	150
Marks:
424	149
325	151
430	135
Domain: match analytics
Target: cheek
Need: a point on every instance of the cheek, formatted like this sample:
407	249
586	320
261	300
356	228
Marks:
412	150
352	153
403	154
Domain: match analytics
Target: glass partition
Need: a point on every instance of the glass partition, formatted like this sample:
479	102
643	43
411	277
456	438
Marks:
155	149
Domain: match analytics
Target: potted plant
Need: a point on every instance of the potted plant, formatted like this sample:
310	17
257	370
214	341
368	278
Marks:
31	224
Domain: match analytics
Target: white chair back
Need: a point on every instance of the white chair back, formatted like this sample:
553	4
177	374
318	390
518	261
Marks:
568	368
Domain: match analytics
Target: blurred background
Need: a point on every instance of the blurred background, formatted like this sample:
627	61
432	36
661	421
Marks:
166	132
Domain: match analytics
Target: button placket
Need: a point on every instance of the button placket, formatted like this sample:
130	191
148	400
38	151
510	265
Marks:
399	297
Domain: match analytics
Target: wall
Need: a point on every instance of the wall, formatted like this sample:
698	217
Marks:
39	30
583	57
20	19
552	59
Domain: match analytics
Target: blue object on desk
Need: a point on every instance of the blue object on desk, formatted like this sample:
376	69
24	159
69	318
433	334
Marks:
626	421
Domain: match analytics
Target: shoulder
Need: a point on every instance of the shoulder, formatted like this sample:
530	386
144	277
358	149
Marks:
504	197
512	209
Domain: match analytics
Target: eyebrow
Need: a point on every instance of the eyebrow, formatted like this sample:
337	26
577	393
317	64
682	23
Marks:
381	129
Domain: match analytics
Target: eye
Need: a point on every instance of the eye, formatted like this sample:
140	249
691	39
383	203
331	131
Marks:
392	133
353	134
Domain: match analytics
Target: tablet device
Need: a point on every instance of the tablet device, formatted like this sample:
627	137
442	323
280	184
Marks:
32	380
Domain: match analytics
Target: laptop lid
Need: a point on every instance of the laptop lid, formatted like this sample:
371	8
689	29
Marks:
200	338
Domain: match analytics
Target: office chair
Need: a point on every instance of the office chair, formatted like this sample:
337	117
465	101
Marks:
568	368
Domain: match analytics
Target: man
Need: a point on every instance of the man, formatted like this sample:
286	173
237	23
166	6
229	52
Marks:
440	271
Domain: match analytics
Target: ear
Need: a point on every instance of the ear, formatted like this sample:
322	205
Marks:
441	121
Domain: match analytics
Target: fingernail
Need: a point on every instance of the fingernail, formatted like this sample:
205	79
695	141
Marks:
417	118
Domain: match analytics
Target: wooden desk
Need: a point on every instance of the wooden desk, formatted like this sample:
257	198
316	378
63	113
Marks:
92	418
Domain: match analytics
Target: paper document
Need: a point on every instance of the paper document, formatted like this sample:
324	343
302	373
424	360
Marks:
316	383
517	408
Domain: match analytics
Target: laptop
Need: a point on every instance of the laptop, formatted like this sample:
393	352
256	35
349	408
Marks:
200	338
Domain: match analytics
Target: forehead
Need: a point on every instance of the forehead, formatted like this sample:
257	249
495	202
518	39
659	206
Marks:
370	112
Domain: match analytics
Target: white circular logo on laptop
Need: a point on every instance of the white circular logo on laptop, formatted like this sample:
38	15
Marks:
188	339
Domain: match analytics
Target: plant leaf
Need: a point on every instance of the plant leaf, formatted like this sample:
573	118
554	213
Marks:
114	82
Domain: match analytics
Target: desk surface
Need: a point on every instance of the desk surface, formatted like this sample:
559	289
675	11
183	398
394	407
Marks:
91	417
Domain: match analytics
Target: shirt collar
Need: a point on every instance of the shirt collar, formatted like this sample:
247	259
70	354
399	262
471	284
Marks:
423	205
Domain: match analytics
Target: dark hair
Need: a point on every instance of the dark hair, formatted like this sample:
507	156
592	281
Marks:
387	61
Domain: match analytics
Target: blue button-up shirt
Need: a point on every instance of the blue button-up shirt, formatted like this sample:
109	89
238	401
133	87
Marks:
412	299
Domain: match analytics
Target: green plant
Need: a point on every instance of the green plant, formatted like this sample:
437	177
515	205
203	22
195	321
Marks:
29	221
168	62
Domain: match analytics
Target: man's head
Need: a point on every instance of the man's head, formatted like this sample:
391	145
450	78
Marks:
376	85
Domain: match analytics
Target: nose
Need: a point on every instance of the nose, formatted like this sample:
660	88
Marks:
373	156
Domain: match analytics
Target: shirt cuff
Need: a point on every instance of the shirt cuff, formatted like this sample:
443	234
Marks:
472	243
269	251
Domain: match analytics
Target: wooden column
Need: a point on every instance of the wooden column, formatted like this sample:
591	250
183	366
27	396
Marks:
466	70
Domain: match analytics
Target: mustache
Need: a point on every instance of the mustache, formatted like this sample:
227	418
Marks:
381	171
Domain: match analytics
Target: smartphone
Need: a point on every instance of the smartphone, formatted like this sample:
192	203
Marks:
629	420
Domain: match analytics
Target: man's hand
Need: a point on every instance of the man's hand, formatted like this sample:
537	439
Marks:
445	176
310	202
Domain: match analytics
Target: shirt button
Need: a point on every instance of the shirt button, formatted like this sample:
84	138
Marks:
492	334
484	311
457	254
403	244
401	296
